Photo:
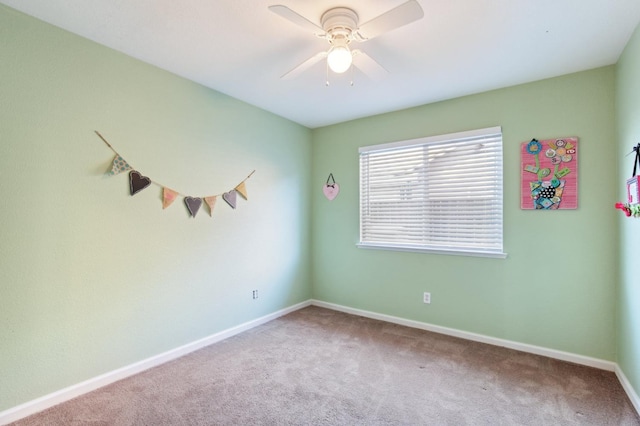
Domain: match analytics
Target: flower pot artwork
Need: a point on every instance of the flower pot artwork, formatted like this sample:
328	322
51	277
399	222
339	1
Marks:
549	174
547	194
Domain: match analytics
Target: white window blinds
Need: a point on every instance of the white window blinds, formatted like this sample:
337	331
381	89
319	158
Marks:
441	193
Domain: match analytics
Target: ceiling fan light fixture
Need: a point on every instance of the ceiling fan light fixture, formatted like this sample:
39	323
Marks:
339	59
340	26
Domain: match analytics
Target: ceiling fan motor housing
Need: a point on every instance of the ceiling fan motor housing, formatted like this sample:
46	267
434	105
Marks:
339	23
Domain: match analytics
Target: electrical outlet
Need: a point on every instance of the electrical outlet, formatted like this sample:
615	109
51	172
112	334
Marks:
254	294
426	297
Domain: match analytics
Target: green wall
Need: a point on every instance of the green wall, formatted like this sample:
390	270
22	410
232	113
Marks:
556	289
94	279
628	114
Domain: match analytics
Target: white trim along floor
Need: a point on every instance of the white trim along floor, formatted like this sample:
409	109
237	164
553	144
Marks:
46	401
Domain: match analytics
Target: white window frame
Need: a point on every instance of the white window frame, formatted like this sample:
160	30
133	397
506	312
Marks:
418	222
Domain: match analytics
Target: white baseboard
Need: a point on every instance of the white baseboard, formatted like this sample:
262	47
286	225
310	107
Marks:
626	385
523	347
55	398
32	407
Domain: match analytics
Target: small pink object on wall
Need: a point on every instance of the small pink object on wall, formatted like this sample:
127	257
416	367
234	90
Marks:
633	190
332	189
632	206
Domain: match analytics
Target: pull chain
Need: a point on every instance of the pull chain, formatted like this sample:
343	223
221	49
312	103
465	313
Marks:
326	83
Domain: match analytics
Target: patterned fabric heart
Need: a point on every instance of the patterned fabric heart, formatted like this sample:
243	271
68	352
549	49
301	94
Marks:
137	182
230	198
193	205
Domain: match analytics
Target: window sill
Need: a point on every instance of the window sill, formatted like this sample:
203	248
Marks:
416	249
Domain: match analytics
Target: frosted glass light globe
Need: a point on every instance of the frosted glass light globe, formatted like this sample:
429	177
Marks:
339	59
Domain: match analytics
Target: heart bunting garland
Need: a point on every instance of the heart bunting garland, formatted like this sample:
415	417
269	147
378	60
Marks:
118	165
230	198
242	190
193	205
168	197
211	202
138	182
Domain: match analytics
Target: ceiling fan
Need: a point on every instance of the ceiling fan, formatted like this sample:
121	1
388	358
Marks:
340	27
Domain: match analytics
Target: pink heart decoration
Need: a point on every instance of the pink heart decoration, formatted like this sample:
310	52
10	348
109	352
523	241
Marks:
137	182
331	191
193	205
230	198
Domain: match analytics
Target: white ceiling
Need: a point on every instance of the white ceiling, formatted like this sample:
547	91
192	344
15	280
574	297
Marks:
460	47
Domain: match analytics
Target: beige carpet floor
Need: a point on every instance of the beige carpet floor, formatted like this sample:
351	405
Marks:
320	367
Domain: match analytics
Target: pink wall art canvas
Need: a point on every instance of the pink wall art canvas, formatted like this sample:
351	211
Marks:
549	174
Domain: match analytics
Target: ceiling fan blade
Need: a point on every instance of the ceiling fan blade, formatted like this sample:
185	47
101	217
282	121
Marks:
304	66
395	18
296	18
368	65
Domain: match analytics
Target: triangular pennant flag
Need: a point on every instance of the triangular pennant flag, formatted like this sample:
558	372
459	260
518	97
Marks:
211	202
242	190
118	166
168	197
137	182
193	205
230	198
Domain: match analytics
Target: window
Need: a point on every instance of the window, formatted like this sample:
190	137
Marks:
437	194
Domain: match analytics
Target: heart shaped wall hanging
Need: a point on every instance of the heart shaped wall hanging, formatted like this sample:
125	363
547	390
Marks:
137	182
193	205
331	190
230	198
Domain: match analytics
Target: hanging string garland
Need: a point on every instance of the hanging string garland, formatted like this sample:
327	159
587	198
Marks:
138	182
